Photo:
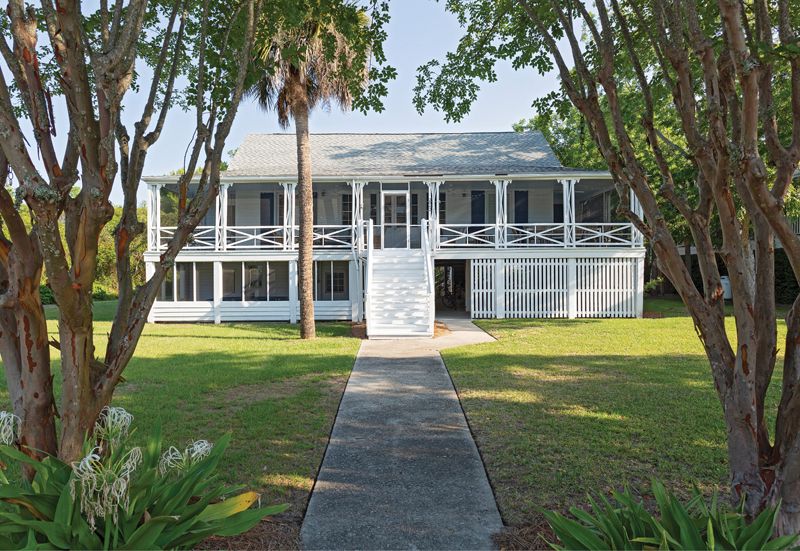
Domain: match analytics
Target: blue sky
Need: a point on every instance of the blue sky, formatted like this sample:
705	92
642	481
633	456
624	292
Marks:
419	30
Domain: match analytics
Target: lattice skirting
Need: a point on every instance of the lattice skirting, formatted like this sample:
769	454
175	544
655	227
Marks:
556	287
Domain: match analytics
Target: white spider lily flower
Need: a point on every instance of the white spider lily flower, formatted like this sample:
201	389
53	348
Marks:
9	428
113	425
104	488
174	459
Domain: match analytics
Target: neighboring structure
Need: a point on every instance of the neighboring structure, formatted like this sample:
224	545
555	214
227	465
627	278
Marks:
487	223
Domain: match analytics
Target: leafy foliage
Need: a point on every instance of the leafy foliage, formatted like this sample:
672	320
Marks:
623	522
123	497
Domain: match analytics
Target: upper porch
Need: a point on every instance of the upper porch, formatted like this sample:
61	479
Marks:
501	213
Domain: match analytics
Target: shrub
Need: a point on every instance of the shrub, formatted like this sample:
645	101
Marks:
121	496
46	293
624	523
100	293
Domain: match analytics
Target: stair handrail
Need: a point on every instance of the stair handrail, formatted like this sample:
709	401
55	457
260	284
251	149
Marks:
368	275
429	273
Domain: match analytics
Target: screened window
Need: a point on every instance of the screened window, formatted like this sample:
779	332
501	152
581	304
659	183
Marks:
167	293
278	281
331	280
442	207
184	281
255	281
231	281
204	281
414	209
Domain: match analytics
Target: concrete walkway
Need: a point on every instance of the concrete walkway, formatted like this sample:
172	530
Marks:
402	470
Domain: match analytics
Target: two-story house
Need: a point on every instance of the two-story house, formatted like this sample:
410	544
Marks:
404	224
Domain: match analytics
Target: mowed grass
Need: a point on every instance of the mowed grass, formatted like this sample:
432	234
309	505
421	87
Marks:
276	394
560	408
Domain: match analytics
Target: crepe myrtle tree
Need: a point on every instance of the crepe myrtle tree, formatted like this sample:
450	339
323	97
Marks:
86	59
731	71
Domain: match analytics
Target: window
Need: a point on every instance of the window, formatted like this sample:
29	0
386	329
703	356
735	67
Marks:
184	281
373	207
188	282
204	281
281	208
267	214
255	281
414	209
478	207
278	281
347	209
331	280
521	206
231	212
442	207
231	281
248	281
167	293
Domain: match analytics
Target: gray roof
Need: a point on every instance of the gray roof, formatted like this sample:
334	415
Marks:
364	155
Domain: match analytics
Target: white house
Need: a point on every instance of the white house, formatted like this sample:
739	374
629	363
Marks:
405	224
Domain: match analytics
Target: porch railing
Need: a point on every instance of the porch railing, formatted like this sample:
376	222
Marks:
442	236
466	235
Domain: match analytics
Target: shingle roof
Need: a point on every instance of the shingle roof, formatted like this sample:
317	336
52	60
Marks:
480	153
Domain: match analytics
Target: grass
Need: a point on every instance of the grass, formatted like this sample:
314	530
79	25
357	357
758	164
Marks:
276	394
560	408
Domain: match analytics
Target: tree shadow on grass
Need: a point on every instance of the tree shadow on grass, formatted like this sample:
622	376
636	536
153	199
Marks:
552	428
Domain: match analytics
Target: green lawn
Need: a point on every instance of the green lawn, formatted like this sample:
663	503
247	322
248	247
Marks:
277	394
563	407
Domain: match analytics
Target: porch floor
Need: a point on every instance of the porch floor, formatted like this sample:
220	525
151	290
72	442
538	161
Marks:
401	470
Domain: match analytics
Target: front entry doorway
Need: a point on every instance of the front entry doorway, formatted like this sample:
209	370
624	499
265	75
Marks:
396	230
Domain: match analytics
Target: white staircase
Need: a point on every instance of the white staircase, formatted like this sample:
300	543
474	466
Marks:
400	299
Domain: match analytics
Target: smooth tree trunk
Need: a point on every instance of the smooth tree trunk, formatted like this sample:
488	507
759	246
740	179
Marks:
305	259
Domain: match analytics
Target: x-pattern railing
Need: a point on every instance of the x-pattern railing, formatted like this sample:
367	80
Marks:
467	235
603	234
255	237
201	238
449	236
535	235
333	237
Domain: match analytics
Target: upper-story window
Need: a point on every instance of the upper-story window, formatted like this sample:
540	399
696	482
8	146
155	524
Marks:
442	207
347	209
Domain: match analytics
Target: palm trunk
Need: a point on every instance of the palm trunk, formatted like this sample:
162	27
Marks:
305	261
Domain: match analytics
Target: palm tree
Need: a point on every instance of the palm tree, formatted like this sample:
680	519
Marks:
306	66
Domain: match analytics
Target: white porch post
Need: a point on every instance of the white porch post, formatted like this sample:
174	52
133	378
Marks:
433	210
152	212
500	219
221	219
217	291
568	190
294	304
637	239
572	288
149	270
639	287
288	214
357	218
500	288
157	215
